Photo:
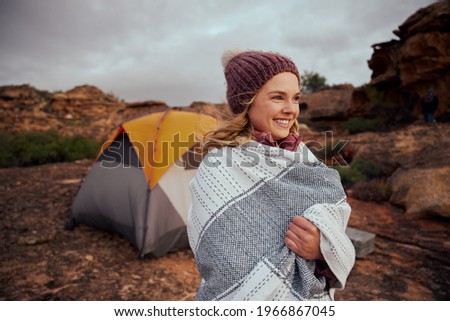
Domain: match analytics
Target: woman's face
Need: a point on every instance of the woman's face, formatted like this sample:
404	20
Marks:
276	105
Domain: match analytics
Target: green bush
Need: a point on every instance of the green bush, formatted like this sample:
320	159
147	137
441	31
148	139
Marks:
359	170
349	175
6	153
358	125
368	168
35	148
78	147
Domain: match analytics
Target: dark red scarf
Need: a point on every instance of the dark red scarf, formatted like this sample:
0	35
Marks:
290	142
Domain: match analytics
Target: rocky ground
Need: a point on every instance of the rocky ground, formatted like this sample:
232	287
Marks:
42	261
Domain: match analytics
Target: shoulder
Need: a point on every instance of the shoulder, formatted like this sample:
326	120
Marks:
306	153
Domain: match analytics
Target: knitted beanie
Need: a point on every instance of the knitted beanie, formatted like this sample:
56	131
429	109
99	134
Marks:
247	71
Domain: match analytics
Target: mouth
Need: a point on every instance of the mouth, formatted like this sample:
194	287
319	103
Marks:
282	122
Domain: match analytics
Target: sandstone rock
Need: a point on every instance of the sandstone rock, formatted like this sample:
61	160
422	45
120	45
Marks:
84	102
219	111
423	57
84	110
27	95
422	191
433	17
405	68
418	158
413	146
24	108
328	104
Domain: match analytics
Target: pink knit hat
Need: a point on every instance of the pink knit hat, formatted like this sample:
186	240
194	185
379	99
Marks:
247	71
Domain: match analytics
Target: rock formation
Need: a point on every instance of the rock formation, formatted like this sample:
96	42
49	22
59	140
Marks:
82	110
328	104
418	157
420	59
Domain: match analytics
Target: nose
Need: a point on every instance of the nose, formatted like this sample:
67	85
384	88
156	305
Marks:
291	107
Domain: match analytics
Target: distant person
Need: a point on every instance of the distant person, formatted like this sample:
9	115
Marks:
268	219
430	103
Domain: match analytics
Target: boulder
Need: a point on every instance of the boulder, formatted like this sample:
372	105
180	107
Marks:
410	147
416	159
422	190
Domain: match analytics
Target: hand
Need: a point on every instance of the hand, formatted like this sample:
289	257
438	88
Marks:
303	238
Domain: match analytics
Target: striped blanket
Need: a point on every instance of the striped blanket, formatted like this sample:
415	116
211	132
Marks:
243	199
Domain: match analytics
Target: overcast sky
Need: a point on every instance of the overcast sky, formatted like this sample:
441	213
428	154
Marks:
171	49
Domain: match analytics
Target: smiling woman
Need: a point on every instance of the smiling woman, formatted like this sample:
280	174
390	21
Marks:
275	108
260	86
267	220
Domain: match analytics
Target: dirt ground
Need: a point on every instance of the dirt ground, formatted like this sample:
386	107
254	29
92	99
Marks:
42	261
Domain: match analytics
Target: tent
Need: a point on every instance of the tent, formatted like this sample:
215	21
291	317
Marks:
138	185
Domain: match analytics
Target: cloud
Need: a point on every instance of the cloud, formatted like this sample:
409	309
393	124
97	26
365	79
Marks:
170	50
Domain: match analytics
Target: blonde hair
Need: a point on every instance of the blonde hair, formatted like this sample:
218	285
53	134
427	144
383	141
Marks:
234	130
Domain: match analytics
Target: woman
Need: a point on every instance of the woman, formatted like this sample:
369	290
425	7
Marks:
267	220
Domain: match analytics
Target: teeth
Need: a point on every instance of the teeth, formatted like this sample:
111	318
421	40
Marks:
282	121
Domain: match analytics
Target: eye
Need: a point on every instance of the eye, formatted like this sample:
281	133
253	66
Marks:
296	99
277	97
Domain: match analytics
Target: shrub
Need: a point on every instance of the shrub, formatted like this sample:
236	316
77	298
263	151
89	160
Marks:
368	168
359	170
78	147
6	153
35	148
358	125
349	175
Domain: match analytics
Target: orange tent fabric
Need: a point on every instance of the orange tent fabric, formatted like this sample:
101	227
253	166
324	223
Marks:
168	136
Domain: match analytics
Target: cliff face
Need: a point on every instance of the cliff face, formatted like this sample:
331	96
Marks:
82	110
404	69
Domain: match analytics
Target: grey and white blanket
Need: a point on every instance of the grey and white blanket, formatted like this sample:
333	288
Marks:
243	199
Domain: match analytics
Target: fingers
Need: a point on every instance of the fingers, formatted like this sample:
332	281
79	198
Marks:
304	229
302	223
303	238
293	242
